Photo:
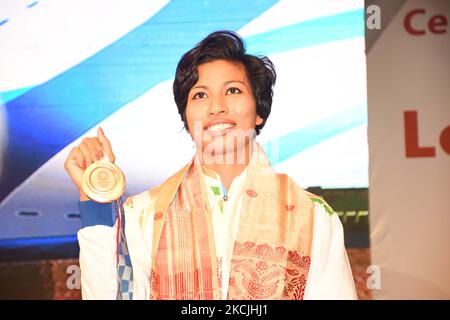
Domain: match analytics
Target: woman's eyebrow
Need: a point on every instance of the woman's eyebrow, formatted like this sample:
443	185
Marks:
225	83
231	81
200	87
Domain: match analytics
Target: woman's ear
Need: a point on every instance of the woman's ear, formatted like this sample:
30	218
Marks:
259	120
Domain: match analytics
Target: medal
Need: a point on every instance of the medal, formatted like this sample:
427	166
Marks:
103	181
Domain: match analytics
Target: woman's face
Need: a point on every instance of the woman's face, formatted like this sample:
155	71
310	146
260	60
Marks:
221	109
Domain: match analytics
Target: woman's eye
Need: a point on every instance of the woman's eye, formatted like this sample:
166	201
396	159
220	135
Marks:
199	95
233	90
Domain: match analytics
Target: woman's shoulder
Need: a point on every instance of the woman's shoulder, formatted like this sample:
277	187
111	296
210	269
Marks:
326	220
148	198
138	201
320	204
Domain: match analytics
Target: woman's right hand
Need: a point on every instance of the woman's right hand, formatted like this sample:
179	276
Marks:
88	151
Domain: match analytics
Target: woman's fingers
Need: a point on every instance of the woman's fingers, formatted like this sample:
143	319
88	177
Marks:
106	145
98	147
93	149
75	158
75	165
78	156
87	154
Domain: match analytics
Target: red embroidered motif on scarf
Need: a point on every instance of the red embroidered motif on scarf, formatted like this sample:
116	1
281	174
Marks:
263	272
154	283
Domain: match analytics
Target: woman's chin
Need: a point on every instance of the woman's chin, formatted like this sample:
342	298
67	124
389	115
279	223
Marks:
224	153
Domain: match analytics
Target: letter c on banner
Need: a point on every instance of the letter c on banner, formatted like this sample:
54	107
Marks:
407	22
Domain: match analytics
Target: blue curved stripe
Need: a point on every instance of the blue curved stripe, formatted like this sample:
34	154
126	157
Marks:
309	33
11	95
45	119
289	145
301	35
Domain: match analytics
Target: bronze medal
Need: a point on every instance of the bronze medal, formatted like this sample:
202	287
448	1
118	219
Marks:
103	181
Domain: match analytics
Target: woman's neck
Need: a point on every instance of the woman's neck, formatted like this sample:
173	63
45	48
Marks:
229	171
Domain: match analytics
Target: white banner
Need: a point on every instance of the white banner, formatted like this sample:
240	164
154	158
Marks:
409	152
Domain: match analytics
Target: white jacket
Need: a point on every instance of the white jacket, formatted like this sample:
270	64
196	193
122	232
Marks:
329	277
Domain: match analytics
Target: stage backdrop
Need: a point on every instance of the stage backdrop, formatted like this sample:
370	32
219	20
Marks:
409	149
68	66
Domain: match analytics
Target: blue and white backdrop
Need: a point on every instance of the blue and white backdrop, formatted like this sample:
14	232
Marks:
68	66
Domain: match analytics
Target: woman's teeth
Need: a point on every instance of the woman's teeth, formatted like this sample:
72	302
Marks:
220	127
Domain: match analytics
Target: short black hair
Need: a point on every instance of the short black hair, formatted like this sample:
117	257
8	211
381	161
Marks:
225	45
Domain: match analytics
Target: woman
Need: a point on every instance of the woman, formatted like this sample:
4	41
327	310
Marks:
225	226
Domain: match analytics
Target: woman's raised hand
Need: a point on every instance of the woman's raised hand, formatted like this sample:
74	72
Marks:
88	151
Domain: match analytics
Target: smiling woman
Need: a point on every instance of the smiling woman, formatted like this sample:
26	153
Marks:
221	115
225	226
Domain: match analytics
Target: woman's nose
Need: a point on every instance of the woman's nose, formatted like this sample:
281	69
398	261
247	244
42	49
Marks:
217	106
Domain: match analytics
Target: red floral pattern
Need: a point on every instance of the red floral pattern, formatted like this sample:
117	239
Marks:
154	284
158	215
290	207
252	193
265	272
